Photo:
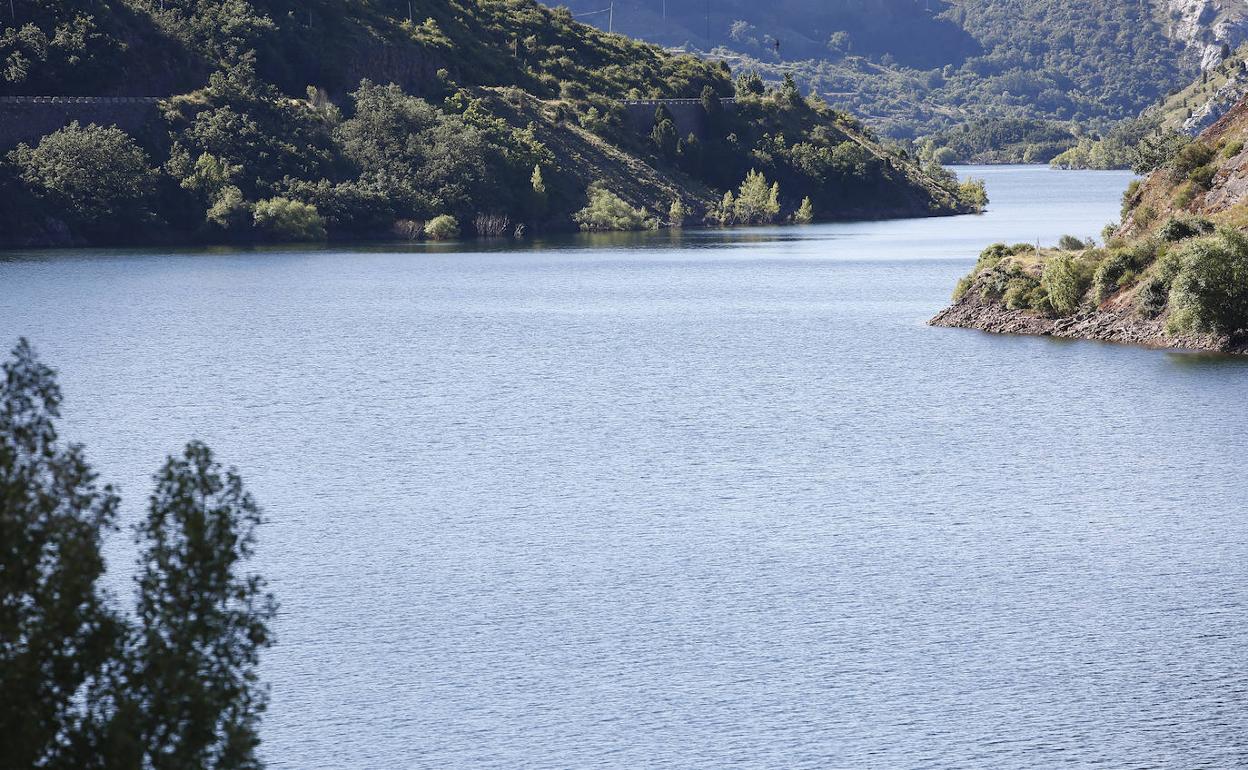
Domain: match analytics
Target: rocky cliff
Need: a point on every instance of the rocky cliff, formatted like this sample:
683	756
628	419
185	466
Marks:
1206	27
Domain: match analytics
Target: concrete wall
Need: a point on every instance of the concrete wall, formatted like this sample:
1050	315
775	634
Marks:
27	118
688	114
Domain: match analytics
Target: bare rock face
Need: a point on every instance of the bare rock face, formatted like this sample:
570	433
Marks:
1204	26
1222	101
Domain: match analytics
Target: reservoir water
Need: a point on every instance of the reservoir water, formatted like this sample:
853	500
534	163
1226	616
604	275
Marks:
701	500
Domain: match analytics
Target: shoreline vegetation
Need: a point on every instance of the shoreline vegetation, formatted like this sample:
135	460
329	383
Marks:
1172	273
492	118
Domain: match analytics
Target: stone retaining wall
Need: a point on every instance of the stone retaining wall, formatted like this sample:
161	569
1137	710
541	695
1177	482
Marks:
688	114
27	118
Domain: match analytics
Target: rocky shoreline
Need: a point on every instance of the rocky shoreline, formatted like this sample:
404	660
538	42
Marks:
1105	324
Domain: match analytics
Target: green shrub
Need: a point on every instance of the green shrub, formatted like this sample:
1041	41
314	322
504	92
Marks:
994	285
1233	148
1153	296
608	211
1158	149
1129	197
991	256
289	220
1191	157
972	194
1065	279
1145	216
1185	193
1018	292
1183	227
1210	292
1070	243
346	206
1168	265
1038	300
962	286
1144	252
1108	276
443	227
1202	177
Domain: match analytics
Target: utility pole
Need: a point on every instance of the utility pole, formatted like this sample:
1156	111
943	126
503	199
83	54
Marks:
611	18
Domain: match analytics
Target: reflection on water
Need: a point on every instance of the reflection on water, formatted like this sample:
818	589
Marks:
688	500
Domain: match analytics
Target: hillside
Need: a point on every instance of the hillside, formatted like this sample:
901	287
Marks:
950	72
347	119
1174	272
1186	111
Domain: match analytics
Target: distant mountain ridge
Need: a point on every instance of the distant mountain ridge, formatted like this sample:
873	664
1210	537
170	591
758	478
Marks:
914	68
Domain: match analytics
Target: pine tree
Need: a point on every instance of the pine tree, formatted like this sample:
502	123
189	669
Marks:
539	196
664	134
805	213
676	214
727	209
757	202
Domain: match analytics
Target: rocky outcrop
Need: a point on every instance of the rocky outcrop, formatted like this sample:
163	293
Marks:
1106	324
1203	27
1226	97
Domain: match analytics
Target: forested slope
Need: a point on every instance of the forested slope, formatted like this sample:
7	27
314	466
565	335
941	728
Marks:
352	118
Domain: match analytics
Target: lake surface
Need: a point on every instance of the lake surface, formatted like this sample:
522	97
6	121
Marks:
691	501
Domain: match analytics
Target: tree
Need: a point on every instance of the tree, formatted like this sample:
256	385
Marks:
805	213
749	83
82	686
789	92
973	194
1157	149
664	134
202	620
96	178
249	125
714	110
676	213
540	198
757	202
425	160
727	209
57	633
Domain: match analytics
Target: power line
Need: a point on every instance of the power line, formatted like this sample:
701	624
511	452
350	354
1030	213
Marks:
610	10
